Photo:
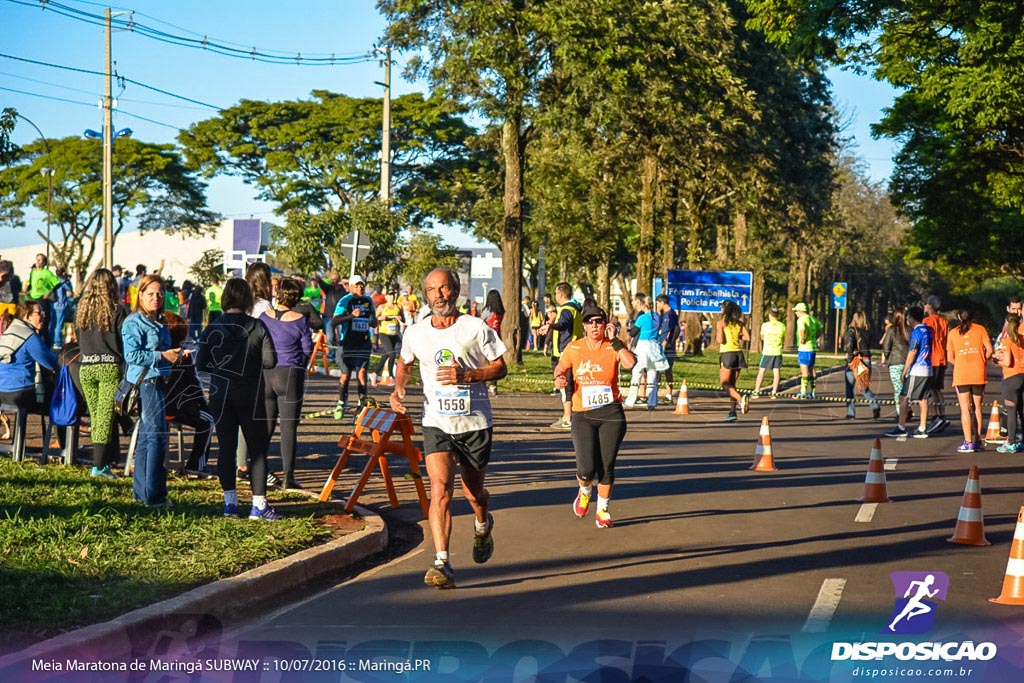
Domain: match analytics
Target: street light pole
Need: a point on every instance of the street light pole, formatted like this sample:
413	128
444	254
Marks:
48	171
108	156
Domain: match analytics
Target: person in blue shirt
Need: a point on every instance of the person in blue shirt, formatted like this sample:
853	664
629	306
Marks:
21	348
353	317
916	375
649	355
668	333
63	300
148	354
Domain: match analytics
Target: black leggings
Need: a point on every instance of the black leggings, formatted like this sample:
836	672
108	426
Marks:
284	387
250	417
390	346
596	436
1013	391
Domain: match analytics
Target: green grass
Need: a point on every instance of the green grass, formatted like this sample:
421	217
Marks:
76	550
534	375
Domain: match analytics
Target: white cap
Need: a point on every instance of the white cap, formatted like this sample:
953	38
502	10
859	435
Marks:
356	280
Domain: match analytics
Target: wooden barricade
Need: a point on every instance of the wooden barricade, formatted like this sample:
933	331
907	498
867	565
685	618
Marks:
372	436
319	349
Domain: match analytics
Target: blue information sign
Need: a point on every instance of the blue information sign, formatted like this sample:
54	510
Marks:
704	291
839	295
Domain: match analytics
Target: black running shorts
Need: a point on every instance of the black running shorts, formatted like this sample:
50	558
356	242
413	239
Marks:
472	448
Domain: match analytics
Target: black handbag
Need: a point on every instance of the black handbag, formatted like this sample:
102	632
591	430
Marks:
126	397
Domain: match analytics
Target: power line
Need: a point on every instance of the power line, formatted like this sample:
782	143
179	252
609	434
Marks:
55	85
159	123
49	97
100	73
216	46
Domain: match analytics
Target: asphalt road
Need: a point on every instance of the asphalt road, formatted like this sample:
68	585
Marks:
774	567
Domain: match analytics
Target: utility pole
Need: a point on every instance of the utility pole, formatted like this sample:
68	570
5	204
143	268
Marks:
385	148
108	155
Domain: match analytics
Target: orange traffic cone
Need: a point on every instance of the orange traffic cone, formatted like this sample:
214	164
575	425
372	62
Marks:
763	461
1013	579
874	482
683	402
992	433
970	523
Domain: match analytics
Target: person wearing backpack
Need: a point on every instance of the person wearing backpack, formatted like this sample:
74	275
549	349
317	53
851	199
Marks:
21	348
857	344
98	328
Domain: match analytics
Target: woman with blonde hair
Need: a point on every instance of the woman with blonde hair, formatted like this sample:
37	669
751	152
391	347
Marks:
148	353
98	328
857	344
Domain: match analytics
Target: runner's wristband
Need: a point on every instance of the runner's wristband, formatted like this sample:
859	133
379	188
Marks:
617	344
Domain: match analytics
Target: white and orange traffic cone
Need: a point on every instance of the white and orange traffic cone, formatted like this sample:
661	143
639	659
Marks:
992	432
683	402
763	461
970	522
1013	578
874	482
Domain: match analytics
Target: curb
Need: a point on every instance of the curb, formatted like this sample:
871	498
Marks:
113	638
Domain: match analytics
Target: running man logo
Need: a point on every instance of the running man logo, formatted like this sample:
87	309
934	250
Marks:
914	611
443	357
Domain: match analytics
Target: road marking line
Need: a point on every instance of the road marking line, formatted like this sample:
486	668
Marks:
825	606
890	463
866	513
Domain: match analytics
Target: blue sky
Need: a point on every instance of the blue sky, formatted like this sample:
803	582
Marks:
344	28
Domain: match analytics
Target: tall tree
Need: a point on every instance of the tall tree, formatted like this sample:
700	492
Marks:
655	80
324	153
489	56
151	187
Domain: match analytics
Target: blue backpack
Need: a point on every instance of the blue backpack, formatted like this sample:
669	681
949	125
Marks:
64	404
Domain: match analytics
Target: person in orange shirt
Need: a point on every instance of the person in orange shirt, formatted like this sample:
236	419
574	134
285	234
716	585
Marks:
969	349
599	423
940	335
1011	357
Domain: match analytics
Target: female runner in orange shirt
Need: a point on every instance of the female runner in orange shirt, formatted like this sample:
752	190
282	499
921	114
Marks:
968	349
598	423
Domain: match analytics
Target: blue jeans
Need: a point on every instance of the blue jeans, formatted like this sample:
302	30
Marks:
57	318
850	389
329	332
149	480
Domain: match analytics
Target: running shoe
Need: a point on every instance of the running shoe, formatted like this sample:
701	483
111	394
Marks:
561	424
267	514
603	519
580	505
102	472
1007	447
230	510
744	404
440	575
897	432
921	433
730	417
965	447
979	446
774	395
934	425
876	412
800	395
483	542
272	479
339	411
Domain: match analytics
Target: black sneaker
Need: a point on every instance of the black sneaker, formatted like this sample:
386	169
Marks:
483	543
440	575
935	426
730	417
897	432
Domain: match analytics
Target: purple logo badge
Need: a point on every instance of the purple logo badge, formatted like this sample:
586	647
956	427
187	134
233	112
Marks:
916	592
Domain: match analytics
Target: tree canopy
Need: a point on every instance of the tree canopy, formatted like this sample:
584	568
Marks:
151	186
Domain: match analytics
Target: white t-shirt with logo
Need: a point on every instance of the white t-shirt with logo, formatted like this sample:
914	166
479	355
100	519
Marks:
454	409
